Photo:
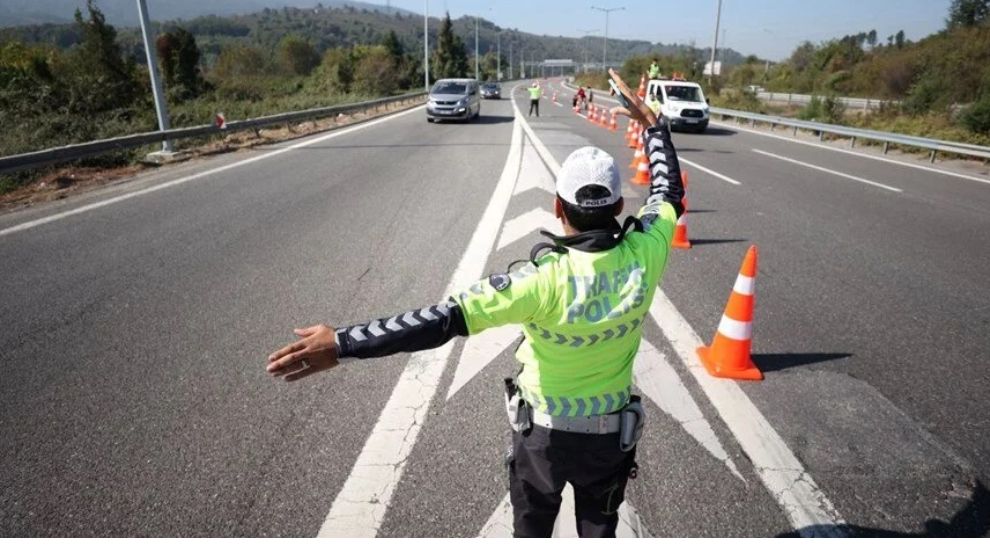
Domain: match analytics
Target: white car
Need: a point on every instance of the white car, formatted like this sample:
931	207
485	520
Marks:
682	102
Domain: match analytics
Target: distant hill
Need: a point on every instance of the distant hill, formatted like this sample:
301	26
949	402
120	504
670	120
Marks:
327	24
124	12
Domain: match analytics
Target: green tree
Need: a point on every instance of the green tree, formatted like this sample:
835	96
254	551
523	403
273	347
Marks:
375	72
968	13
871	38
178	56
449	57
104	79
297	56
336	71
899	39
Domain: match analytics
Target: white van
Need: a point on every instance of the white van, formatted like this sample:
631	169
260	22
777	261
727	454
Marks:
682	102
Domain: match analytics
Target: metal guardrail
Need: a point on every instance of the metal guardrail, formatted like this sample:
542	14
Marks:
50	156
886	138
804	99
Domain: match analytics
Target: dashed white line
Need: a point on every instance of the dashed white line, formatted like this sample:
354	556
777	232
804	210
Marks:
711	172
181	180
830	171
857	154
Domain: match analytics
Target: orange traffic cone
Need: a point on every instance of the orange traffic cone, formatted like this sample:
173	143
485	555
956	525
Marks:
729	354
613	126
684	182
554	96
639	154
641	93
602	119
642	177
681	240
591	113
577	108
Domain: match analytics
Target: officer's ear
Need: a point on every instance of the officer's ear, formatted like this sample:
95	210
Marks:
558	210
619	206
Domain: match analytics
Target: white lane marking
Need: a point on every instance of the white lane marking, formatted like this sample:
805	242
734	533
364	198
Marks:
857	154
499	525
524	224
657	379
479	351
830	171
200	175
709	171
804	504
359	508
557	103
783	475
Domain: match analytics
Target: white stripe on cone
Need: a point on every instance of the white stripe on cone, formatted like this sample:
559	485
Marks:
745	285
736	330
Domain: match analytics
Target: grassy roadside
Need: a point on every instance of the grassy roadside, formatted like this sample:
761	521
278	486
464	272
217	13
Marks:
59	182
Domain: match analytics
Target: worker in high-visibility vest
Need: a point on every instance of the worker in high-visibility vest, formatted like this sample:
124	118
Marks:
654	104
534	98
654	72
580	301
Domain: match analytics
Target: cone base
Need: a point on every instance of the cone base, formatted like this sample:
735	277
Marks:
749	373
640	182
681	244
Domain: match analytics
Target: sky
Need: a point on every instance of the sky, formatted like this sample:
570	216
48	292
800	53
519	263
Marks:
770	29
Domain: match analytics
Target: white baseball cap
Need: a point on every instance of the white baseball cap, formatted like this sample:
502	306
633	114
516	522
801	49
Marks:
589	166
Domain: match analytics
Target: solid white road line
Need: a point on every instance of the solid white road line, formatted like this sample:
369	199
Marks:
830	171
709	171
857	154
787	481
360	507
182	180
783	475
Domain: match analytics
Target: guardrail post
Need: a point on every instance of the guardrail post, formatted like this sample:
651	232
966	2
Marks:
852	142
773	126
932	158
886	146
821	135
790	96
794	131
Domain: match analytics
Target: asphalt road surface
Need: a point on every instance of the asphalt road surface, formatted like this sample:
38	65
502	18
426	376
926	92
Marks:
136	321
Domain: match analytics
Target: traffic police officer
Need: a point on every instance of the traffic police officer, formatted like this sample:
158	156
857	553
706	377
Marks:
581	301
534	98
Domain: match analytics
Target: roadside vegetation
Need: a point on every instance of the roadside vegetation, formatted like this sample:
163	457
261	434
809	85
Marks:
938	86
86	84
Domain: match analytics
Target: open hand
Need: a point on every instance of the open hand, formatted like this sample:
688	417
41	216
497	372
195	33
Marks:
316	351
638	110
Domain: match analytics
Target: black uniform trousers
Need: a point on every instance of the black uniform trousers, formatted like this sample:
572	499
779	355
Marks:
534	104
543	460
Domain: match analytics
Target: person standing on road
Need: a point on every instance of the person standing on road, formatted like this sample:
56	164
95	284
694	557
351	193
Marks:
581	300
534	98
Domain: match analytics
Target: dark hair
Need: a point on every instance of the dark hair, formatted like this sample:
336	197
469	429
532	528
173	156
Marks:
587	219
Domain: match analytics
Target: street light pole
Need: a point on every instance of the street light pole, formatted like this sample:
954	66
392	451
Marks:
156	86
498	57
605	42
718	18
477	74
583	48
426	46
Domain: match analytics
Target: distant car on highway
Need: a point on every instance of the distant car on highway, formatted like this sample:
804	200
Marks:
453	99
491	90
682	102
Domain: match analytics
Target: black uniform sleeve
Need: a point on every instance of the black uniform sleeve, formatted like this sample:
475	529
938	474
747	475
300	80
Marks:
665	169
421	329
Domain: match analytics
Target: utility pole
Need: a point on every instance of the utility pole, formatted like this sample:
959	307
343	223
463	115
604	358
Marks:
156	86
498	57
477	74
426	46
605	42
718	18
586	32
511	44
